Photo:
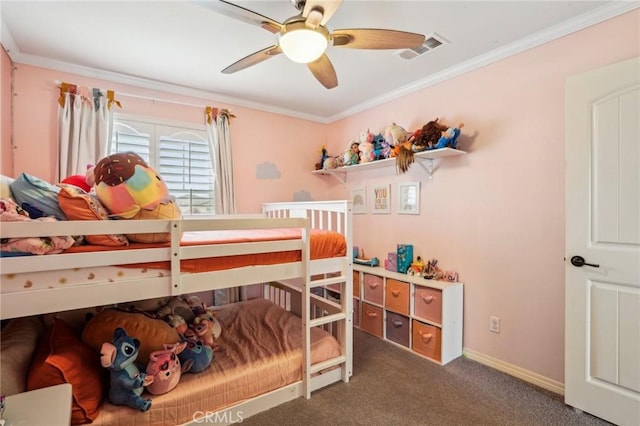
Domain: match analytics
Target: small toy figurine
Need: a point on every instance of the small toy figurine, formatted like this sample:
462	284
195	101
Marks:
416	268
323	156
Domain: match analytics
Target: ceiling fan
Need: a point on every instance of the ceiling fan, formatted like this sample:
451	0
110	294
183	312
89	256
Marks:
304	37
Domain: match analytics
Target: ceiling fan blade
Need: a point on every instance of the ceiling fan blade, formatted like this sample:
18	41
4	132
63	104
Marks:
245	15
370	38
253	59
327	7
322	69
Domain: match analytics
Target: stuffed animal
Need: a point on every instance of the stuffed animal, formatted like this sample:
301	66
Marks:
164	367
196	357
449	138
206	329
381	149
77	180
178	323
332	163
366	152
129	189
85	181
395	135
428	136
323	156
352	155
127	381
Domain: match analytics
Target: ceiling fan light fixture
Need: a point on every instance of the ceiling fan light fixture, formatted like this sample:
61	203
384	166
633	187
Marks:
303	45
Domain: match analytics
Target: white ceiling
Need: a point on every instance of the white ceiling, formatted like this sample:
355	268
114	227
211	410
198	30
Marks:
181	46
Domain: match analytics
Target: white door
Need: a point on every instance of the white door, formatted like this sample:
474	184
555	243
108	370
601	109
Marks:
602	322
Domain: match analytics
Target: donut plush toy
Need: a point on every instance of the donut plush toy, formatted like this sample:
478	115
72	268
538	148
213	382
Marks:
129	189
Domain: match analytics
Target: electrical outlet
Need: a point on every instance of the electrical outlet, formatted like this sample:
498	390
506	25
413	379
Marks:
494	324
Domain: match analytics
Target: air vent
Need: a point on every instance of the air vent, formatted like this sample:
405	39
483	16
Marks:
431	42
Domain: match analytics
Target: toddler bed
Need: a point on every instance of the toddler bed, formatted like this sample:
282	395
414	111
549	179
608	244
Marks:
188	264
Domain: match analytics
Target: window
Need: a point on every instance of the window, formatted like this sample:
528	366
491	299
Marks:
179	153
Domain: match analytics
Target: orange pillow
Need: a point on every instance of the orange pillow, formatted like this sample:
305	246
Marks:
153	333
80	205
61	357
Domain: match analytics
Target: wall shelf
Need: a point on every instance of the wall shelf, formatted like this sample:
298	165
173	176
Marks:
424	159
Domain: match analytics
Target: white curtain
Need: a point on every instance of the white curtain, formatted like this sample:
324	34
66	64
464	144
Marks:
219	136
85	125
217	125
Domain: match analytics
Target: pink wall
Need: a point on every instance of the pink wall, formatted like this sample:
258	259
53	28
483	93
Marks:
292	145
496	215
5	114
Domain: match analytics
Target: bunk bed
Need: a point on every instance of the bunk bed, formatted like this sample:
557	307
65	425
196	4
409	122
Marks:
206	254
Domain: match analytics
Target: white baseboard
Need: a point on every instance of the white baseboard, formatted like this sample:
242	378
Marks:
512	370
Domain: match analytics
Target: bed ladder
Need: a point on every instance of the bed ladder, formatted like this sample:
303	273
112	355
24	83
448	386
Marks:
337	314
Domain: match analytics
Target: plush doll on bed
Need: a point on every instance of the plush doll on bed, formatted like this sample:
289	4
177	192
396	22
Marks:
196	357
164	367
206	329
130	189
127	381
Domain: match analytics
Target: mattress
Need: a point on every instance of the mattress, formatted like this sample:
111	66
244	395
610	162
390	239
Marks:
260	350
323	244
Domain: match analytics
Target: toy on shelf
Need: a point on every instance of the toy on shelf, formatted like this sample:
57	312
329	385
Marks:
395	135
433	135
381	149
433	272
360	259
323	156
449	138
416	268
352	155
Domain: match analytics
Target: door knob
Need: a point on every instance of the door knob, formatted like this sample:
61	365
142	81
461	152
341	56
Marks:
579	261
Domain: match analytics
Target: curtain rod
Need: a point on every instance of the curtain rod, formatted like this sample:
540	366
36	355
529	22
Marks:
147	98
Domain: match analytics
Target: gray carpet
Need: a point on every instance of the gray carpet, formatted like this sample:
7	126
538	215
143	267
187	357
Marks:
392	386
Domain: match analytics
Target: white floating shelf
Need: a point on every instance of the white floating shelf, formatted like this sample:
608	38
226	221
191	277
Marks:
341	172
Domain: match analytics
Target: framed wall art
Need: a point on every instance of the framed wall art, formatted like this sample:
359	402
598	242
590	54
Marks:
380	199
409	198
359	200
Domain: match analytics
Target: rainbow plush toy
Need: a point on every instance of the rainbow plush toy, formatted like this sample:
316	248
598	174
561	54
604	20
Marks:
129	189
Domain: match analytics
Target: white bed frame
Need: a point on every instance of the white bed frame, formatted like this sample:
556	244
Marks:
330	215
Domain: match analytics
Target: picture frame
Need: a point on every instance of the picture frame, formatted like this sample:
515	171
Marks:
359	200
380	199
409	198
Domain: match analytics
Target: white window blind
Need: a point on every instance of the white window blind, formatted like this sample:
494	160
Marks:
180	155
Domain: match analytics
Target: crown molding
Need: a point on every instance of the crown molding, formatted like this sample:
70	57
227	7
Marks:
578	23
37	61
611	10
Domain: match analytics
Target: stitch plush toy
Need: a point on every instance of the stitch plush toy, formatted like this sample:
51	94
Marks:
196	357
127	382
164	367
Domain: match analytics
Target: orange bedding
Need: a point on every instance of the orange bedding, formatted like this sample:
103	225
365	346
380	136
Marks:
260	351
323	244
